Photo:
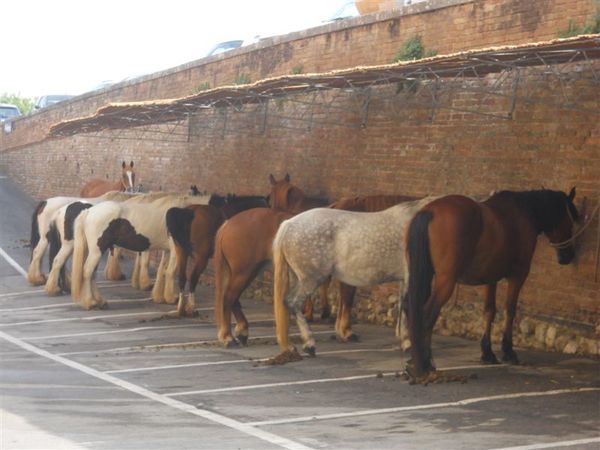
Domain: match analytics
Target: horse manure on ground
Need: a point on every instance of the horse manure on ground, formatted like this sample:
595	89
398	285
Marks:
284	358
437	377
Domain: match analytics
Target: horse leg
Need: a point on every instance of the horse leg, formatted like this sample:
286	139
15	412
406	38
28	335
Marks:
487	355
145	281
234	286
34	272
514	287
308	310
170	292
88	301
182	261
241	323
159	285
135	275
343	323
52	284
323	296
309	345
201	262
113	271
442	289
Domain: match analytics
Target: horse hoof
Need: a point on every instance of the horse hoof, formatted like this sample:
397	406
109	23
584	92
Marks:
231	344
489	358
352	338
510	358
243	340
310	351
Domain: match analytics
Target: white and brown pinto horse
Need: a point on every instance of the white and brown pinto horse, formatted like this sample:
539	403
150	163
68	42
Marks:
135	226
44	217
61	242
359	249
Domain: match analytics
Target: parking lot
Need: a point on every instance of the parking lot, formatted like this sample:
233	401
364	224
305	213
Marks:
130	377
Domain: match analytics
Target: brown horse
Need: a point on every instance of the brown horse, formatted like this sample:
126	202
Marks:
193	231
343	322
461	240
243	248
97	187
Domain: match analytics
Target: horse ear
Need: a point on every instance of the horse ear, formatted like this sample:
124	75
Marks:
287	178
272	179
131	164
572	193
123	165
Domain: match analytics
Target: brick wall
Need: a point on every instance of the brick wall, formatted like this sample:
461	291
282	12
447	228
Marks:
400	150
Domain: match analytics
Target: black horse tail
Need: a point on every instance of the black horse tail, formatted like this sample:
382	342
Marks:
55	243
35	226
179	224
421	273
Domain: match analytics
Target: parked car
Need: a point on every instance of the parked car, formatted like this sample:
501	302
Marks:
49	100
8	112
223	47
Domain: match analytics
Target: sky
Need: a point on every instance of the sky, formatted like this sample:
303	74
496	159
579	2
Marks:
71	47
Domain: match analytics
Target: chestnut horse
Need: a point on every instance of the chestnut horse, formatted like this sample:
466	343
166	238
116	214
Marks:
243	248
96	187
464	241
192	230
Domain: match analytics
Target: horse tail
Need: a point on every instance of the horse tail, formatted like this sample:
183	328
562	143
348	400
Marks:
35	226
420	269
179	221
281	282
222	271
79	255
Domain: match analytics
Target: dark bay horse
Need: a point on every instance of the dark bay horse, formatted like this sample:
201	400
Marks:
193	231
96	187
464	241
243	247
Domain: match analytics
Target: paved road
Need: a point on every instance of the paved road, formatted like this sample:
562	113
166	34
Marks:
127	378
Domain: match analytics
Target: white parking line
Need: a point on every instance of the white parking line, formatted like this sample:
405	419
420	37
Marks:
60	305
467	401
552	444
76	319
97	333
41	290
237	361
182	345
312	381
12	262
191	409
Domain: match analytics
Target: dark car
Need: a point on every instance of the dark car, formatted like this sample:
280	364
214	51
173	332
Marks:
8	111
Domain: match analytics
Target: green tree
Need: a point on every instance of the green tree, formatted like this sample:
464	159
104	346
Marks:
23	103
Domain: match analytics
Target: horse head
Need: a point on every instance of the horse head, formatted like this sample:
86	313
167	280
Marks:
284	196
128	177
559	229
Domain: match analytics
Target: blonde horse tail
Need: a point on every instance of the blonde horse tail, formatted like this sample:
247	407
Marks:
79	255
222	273
281	282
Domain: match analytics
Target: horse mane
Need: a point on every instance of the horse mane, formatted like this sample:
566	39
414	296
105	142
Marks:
547	208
